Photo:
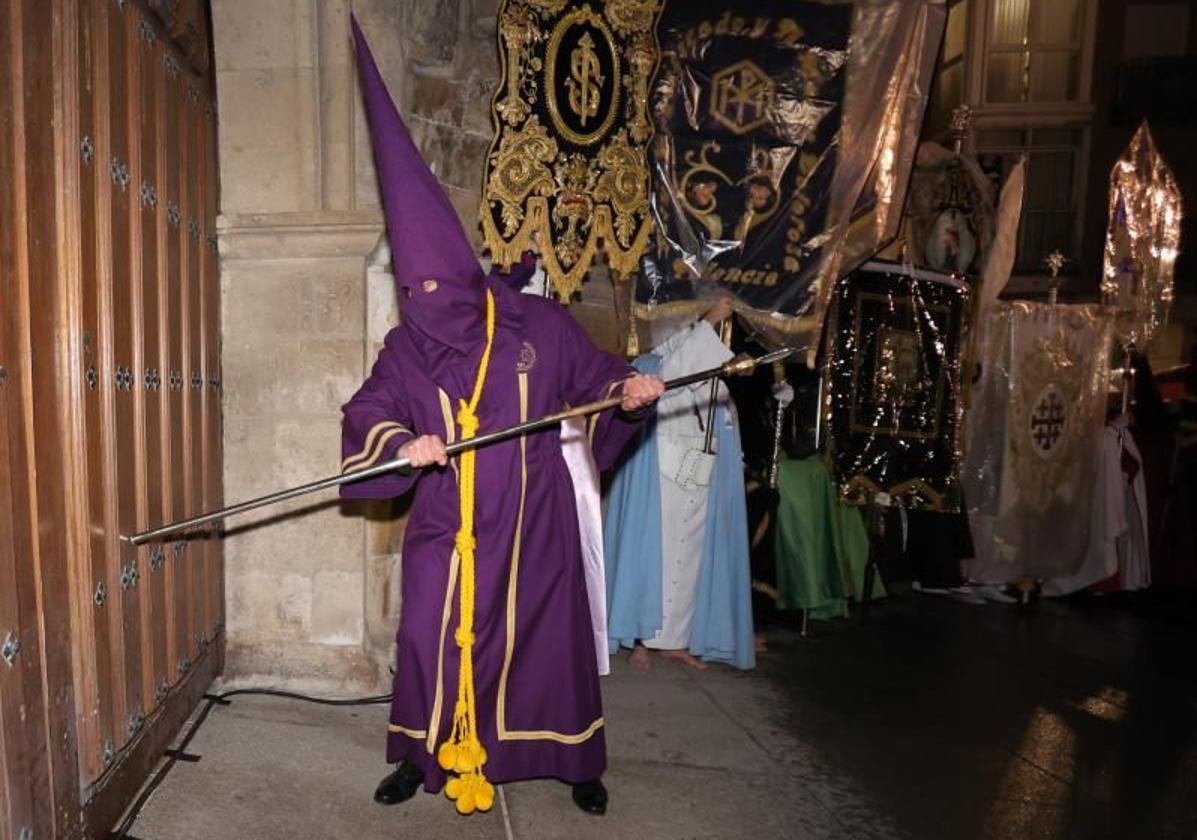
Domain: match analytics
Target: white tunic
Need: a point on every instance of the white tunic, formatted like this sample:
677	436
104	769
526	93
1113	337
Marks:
685	474
575	447
1118	533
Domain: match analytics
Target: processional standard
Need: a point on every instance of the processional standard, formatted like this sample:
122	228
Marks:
738	366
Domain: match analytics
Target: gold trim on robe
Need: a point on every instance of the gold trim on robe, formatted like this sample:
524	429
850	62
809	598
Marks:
374	444
503	732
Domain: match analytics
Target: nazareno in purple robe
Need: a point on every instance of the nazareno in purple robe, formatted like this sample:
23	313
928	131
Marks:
539	712
539	709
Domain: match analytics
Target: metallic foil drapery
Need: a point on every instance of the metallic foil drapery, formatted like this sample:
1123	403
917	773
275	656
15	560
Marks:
1034	438
785	133
568	161
894	382
1141	241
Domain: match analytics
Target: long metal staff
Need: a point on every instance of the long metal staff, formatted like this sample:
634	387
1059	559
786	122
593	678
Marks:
713	399
779	417
735	366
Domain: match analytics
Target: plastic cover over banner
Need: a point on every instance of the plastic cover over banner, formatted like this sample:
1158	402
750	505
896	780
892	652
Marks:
894	379
1034	439
1141	241
785	135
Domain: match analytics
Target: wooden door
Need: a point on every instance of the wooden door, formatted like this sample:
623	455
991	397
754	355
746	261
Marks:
109	399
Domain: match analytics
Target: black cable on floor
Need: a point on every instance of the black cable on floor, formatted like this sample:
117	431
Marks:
212	700
377	700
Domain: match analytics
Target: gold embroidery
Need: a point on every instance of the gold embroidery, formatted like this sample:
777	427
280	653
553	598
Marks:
630	16
527	358
572	75
1047	409
520	169
584	84
744	97
915	493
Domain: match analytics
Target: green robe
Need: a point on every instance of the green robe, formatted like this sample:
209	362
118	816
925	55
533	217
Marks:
821	546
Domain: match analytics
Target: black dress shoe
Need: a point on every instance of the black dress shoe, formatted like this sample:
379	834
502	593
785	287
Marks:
591	797
400	786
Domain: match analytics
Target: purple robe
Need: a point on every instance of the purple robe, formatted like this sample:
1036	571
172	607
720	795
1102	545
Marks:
539	708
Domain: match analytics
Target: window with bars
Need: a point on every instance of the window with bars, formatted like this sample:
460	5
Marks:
1021	65
949	87
1033	51
1050	202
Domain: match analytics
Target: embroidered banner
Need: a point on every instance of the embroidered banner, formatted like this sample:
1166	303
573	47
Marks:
894	376
568	161
785	133
949	212
1035	438
747	105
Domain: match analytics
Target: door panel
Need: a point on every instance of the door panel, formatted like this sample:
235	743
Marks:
108	339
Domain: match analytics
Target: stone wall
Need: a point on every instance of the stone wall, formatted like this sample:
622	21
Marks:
299	224
312	588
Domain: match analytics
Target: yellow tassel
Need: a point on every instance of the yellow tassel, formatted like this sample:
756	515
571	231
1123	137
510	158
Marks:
463	752
484	797
446	756
466	803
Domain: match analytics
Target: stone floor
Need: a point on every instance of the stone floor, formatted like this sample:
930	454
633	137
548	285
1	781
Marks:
935	720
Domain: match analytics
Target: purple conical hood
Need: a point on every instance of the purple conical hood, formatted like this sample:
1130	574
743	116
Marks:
439	280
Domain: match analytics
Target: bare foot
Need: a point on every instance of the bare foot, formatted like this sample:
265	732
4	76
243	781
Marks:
639	658
685	657
758	641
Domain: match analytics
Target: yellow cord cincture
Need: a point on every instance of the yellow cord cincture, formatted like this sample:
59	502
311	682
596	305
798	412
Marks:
463	753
